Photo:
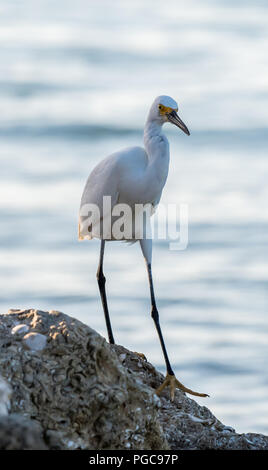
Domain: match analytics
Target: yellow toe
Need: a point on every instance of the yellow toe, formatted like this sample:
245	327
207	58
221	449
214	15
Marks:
173	383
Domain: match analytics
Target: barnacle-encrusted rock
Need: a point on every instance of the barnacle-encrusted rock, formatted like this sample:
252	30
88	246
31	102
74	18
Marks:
76	388
34	341
18	433
5	392
20	329
85	393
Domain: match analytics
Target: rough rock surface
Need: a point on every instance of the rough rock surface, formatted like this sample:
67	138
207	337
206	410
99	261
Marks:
79	392
5	392
17	433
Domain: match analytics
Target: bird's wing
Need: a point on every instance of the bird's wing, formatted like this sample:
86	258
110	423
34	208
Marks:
101	182
122	176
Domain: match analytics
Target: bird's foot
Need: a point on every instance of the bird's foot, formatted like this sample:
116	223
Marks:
173	383
141	355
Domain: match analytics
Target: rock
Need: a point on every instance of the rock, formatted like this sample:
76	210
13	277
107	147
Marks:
5	392
84	393
17	433
19	329
34	341
77	389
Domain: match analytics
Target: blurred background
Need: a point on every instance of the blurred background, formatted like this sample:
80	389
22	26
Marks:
76	82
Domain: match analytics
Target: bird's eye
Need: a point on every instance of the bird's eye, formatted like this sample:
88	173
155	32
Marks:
159	106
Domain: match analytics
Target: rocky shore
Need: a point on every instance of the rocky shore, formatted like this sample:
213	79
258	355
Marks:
62	386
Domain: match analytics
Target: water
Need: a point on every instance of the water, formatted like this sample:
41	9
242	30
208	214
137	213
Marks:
76	82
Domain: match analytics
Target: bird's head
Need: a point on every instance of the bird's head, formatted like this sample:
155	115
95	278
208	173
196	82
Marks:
164	109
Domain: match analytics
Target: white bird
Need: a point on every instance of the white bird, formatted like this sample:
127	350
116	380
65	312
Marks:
132	176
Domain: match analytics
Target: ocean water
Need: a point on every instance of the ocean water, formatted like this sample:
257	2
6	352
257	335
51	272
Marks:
76	82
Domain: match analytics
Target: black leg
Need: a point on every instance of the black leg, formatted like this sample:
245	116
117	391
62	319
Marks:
101	282
155	317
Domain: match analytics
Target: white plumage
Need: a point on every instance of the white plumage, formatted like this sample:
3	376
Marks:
132	176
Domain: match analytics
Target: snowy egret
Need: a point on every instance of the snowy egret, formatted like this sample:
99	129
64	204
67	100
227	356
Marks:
133	176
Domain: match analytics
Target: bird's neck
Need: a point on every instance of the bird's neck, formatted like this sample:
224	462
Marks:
157	148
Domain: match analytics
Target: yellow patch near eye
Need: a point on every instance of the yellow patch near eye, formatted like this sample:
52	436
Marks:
165	109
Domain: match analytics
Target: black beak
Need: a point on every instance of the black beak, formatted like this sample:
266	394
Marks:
174	118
